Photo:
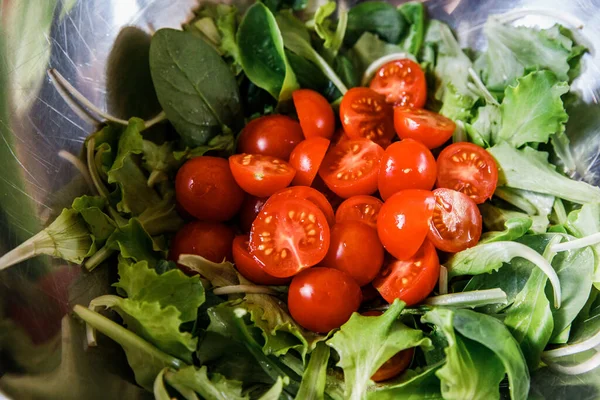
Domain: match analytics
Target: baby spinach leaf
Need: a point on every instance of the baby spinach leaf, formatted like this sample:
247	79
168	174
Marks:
368	48
414	13
195	87
377	17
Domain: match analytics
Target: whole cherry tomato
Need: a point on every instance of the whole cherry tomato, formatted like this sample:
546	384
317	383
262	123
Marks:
365	114
271	135
249	266
249	210
315	114
260	175
307	158
402	82
427	127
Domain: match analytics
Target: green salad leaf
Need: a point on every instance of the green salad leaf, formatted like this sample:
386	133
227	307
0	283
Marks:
369	48
414	13
210	387
313	382
412	385
135	243
514	228
376	17
584	222
91	210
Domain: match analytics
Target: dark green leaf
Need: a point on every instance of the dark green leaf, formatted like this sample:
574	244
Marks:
514	229
423	385
312	386
377	17
134	242
414	13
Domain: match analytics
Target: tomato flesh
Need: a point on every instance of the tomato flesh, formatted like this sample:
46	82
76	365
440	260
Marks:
250	267
410	280
271	135
402	82
456	222
365	114
469	169
315	114
260	175
289	235
351	168
359	208
427	127
310	194
307	158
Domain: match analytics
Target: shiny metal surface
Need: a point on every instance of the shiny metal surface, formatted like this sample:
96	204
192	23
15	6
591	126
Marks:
92	44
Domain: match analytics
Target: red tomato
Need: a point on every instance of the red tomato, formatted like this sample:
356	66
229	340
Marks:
321	187
369	293
307	158
456	222
338	137
411	280
365	114
211	240
322	299
351	168
271	135
355	249
402	82
427	127
469	169
359	208
406	165
310	194
249	266
289	235
261	175
315	114
205	188
403	222
249	210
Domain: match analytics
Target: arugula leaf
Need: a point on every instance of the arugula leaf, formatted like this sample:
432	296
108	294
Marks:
414	13
584	222
376	17
532	110
312	386
361	358
412	385
515	228
210	387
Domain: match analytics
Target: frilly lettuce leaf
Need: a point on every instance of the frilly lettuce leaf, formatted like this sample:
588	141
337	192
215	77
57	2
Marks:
134	242
209	386
91	210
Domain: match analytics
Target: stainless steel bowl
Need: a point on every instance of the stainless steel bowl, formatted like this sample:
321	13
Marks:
101	47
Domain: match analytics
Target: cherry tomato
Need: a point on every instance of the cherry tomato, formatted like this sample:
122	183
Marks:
411	280
211	240
249	266
315	114
469	169
261	175
307	158
321	187
205	188
402	82
351	168
271	135
355	249
456	222
406	165
322	299
365	114
289	235
249	210
369	293
403	222
338	137
310	194
359	208
427	127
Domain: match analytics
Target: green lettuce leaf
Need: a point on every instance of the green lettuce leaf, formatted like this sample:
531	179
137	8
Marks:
369	48
584	222
161	217
412	385
135	243
90	208
495	218
514	228
457	106
209	386
485	125
313	382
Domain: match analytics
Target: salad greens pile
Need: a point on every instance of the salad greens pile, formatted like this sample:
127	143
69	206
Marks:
511	315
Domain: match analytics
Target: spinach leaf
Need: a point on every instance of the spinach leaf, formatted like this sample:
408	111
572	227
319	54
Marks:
376	17
262	55
195	87
369	48
333	38
414	13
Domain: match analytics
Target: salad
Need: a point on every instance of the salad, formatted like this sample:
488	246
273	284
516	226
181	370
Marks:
341	204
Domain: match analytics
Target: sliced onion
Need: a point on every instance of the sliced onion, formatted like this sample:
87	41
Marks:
380	62
475	298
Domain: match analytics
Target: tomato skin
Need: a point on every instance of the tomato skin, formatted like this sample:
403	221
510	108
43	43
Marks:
365	114
260	175
427	127
307	158
406	165
211	240
315	114
310	194
456	224
403	222
355	249
359	208
322	299
410	280
271	135
249	210
333	199
402	82
289	235
351	168
469	169
250	267
206	189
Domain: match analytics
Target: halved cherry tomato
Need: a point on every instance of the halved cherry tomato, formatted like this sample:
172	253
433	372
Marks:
315	114
307	158
469	169
402	82
411	280
403	222
359	208
456	222
338	137
249	266
351	168
271	135
261	175
427	127
355	249
406	165
365	114
289	235
395	365
322	299
205	188
310	194
211	240
249	210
